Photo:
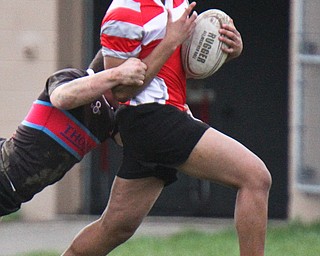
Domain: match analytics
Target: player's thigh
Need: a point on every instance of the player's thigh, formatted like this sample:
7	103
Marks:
221	159
131	199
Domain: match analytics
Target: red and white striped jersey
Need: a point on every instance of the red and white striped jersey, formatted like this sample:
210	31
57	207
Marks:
133	28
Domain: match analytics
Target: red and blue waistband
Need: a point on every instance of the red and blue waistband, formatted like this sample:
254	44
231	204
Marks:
62	127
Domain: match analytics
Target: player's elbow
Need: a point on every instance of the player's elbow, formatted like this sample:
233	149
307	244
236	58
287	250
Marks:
121	98
60	102
123	93
120	94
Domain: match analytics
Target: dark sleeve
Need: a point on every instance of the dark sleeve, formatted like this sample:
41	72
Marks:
63	76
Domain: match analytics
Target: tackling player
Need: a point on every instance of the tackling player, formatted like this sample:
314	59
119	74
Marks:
70	117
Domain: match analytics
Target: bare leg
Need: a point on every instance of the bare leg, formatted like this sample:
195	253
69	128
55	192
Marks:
221	159
130	201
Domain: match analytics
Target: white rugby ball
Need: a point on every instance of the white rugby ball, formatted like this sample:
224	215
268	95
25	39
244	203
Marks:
201	53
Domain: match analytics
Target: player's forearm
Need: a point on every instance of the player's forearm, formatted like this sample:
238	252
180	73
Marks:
84	90
157	58
154	61
176	33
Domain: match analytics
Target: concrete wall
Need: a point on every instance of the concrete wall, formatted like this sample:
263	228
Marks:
304	126
37	37
28	54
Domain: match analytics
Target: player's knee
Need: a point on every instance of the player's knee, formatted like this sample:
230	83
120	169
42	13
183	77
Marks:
256	177
123	231
126	231
121	228
261	180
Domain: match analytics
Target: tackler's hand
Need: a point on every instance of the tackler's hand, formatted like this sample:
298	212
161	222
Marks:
133	73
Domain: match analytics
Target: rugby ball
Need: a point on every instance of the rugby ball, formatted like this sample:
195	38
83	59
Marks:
201	53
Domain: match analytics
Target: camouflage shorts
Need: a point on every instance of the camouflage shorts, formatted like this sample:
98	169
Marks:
8	200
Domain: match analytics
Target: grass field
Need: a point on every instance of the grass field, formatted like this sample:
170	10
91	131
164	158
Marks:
294	239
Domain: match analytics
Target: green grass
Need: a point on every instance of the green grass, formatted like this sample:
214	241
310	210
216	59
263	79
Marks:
11	217
186	243
294	239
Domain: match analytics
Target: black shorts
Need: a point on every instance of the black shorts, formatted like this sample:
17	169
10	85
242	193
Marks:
156	139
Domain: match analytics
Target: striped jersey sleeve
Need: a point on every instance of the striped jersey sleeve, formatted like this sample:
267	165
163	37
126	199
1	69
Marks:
134	28
122	32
